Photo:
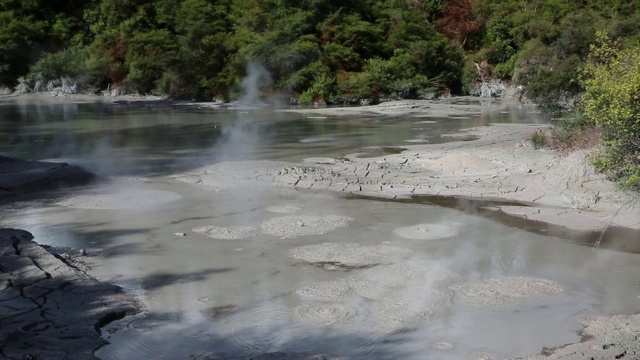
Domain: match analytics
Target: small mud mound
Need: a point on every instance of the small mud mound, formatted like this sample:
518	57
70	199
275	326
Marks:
292	226
288	356
195	179
327	314
336	290
349	255
506	290
427	231
400	296
482	355
227	232
404	295
408	308
130	199
442	345
284	209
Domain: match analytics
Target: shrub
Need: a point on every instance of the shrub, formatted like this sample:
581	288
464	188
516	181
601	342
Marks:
611	78
68	63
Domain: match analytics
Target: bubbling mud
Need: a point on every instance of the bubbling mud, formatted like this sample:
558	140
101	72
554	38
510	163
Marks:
227	232
130	199
336	290
293	226
442	345
427	231
506	290
349	254
482	355
404	294
265	327
627	277
585	318
195	179
327	314
400	296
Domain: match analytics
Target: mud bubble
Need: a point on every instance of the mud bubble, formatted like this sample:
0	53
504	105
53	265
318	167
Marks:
348	254
427	231
506	290
227	232
293	226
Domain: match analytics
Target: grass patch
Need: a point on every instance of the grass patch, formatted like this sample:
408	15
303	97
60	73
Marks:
538	139
568	139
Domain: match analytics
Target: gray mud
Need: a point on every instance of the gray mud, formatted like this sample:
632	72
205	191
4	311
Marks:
49	308
617	337
19	177
128	199
284	209
505	291
334	290
427	231
400	296
327	314
349	254
303	225
227	232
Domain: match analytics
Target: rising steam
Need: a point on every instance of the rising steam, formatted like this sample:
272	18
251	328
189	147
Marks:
257	78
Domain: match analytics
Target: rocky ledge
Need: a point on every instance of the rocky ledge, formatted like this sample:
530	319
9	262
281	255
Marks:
50	308
24	176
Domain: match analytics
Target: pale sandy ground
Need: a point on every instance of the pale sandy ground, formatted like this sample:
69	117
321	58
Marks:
500	165
54	97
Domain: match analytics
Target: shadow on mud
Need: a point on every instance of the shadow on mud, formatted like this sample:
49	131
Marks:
613	237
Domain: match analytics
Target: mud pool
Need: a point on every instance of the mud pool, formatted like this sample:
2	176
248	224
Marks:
225	272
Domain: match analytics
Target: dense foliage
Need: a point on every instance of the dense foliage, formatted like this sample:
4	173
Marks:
562	52
313	49
611	100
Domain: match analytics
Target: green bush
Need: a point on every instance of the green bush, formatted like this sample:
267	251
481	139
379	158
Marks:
68	63
321	89
611	100
505	70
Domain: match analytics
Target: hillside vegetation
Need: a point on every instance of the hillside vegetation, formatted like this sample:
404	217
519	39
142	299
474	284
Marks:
579	55
313	49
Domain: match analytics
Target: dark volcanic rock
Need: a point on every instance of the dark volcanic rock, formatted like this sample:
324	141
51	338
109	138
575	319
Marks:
49	309
23	176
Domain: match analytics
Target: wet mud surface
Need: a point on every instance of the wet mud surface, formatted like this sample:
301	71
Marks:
617	238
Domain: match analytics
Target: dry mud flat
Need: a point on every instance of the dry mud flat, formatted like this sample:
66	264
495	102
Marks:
500	165
49	307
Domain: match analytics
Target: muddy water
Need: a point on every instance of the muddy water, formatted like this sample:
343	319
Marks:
229	273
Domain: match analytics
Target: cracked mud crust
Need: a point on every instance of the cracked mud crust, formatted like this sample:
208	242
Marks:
49	308
19	177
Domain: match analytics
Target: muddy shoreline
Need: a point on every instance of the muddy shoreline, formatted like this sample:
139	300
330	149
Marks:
50	308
